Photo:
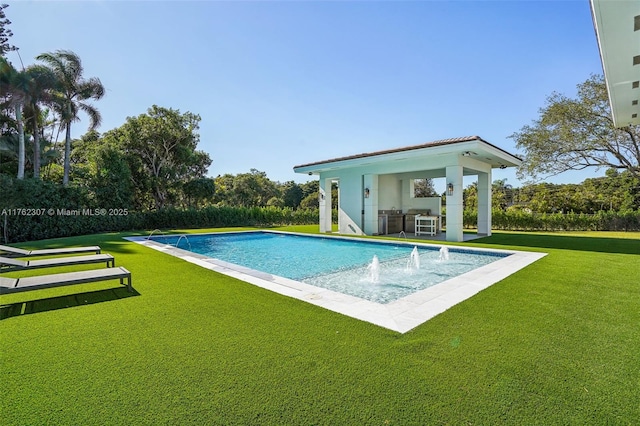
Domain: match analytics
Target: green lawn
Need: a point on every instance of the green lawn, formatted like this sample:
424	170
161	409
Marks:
556	343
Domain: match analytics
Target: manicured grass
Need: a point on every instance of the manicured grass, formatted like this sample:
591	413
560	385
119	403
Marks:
556	343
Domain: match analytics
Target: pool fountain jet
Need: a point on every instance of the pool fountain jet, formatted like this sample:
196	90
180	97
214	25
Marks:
185	238
414	260
444	254
374	270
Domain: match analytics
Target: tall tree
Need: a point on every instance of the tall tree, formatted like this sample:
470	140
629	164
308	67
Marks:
71	95
576	133
253	189
5	32
160	147
39	91
424	188
14	86
292	194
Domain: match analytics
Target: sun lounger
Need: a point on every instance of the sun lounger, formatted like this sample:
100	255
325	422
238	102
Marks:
10	264
14	285
8	251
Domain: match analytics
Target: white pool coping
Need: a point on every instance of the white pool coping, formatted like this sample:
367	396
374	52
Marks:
400	315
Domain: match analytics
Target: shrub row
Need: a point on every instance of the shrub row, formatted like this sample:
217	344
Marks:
524	221
24	227
31	209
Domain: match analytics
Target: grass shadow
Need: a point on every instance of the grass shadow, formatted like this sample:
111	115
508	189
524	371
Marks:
63	302
563	242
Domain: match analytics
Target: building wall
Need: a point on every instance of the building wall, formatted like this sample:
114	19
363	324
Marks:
351	201
386	192
389	192
410	202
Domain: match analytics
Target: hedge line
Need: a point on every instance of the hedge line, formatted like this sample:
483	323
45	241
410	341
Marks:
32	209
22	227
523	221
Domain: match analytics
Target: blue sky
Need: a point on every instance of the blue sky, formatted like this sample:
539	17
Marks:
284	83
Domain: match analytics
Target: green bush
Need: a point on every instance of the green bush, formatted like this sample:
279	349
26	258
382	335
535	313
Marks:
33	210
519	220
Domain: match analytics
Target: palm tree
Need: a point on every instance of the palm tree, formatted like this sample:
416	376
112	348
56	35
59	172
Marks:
42	82
14	85
70	95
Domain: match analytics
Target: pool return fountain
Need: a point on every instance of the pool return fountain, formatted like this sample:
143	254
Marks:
414	260
444	254
180	239
413	263
153	232
374	270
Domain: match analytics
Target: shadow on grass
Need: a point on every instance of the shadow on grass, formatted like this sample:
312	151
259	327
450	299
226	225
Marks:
563	242
63	302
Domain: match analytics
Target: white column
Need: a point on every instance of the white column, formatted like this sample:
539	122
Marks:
454	204
484	203
325	204
370	204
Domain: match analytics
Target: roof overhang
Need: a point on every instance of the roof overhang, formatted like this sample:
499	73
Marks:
617	26
429	156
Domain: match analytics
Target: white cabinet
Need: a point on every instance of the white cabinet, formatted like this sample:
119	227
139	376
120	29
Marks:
426	225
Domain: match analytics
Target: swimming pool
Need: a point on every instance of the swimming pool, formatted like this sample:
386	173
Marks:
343	265
401	314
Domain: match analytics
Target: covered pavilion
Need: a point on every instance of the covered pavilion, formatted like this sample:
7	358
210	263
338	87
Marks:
378	187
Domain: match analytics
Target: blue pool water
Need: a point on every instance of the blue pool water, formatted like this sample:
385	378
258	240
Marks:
337	264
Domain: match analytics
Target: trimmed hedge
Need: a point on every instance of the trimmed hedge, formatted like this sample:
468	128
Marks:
22	227
523	221
32	210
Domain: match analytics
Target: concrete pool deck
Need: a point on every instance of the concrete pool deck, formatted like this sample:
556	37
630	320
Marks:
401	315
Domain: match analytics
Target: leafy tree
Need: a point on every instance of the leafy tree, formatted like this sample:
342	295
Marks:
310	188
160	148
252	189
470	196
199	190
14	86
573	134
424	188
71	95
8	152
310	194
5	32
99	165
111	180
224	189
41	81
311	201
292	194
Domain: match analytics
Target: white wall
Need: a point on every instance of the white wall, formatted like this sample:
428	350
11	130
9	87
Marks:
409	201
351	195
389	192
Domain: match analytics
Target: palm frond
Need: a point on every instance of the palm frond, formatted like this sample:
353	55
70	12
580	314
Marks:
95	118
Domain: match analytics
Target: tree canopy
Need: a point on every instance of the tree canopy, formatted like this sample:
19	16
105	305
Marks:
576	133
160	148
5	32
71	93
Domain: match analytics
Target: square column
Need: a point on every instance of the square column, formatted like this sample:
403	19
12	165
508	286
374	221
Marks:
484	203
370	205
454	204
325	204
